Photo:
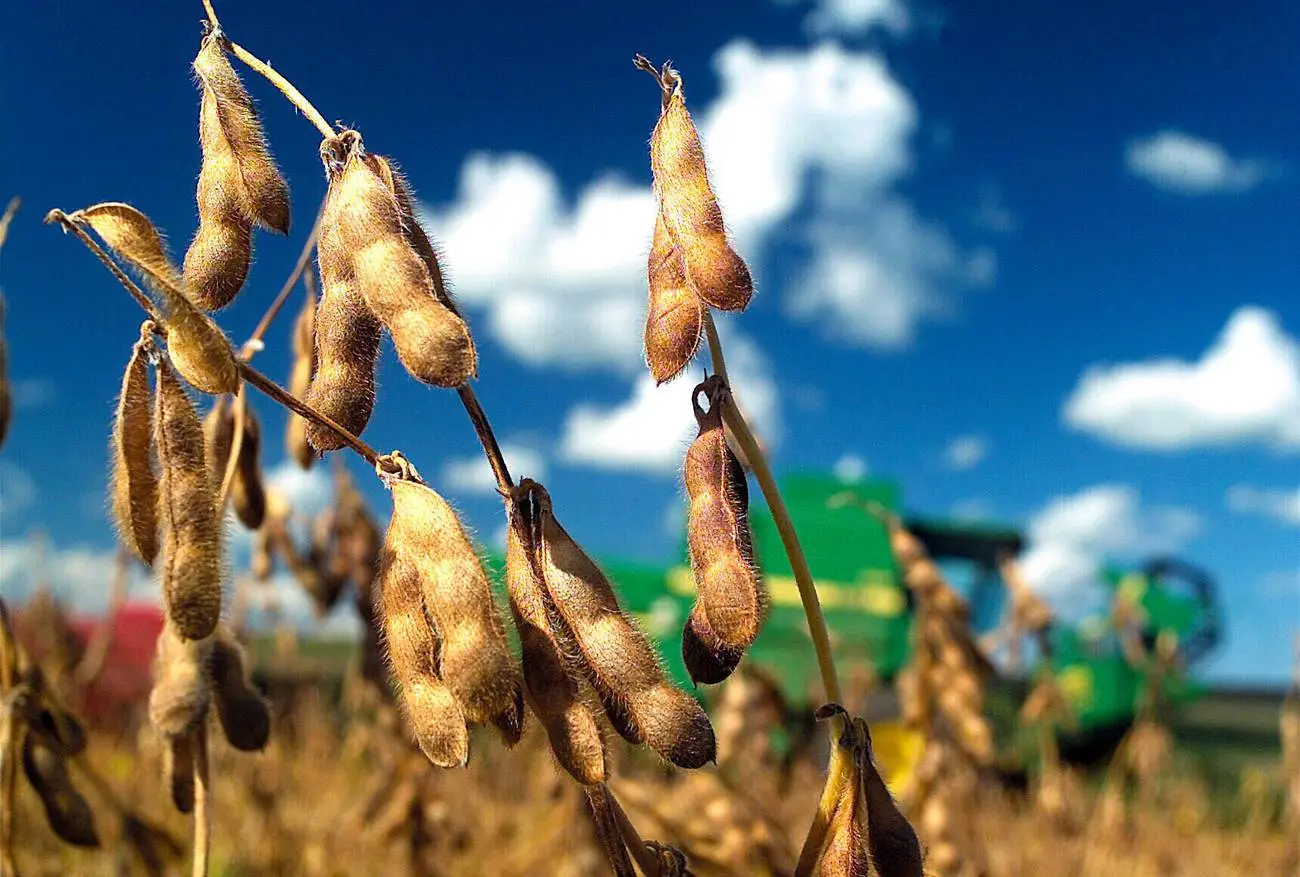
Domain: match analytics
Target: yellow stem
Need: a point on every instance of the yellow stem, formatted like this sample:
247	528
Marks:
286	87
304	259
236	447
202	804
57	215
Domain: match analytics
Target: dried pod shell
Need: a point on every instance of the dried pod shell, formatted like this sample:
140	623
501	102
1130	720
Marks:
178	771
674	318
426	545
131	235
66	811
553	693
412	646
198	350
247	494
304	369
707	658
134	480
721	546
616	657
413	230
433	342
688	206
347	349
244	714
191	531
182	683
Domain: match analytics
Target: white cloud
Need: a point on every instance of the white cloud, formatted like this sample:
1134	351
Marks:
854	17
1191	165
1281	504
850	467
966	452
1074	535
17	492
1245	389
309	491
652	429
474	475
81	576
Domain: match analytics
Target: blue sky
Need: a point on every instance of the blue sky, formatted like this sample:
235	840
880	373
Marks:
1035	261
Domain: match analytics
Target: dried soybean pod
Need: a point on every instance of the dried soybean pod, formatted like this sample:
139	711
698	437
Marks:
191	530
182	684
415	233
347	333
412	647
218	437
131	235
135	483
426	544
674	319
433	343
239	184
304	369
244	714
247	494
67	812
707	658
687	203
553	693
178	771
198	350
616	657
262	191
891	840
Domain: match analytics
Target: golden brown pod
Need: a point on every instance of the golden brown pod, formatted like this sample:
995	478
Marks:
247	493
414	231
347	346
178	771
67	812
553	693
688	206
244	714
134	480
132	236
182	684
191	530
432	341
412	646
729	590
615	656
427	545
674	318
198	349
239	184
304	369
707	658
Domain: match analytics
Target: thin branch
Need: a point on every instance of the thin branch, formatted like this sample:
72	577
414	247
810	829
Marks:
286	87
270	388
236	447
644	856
252	345
57	215
10	210
785	526
202	804
483	429
212	14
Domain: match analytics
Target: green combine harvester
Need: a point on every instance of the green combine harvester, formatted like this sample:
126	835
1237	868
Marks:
869	610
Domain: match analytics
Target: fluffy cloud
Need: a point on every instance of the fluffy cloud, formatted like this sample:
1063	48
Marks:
850	468
310	491
651	430
474	475
1245	388
1190	165
17	492
1073	535
965	452
80	575
1283	505
853	17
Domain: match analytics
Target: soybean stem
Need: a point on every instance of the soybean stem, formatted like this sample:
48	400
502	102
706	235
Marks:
137	293
483	429
286	87
304	259
236	447
270	388
202	811
785	526
644	857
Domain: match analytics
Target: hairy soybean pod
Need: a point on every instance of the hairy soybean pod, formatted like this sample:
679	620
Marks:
247	494
707	658
68	814
178	771
427	545
239	184
554	694
181	683
414	232
433	342
615	656
135	482
412	646
687	203
674	318
191	531
244	714
721	548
